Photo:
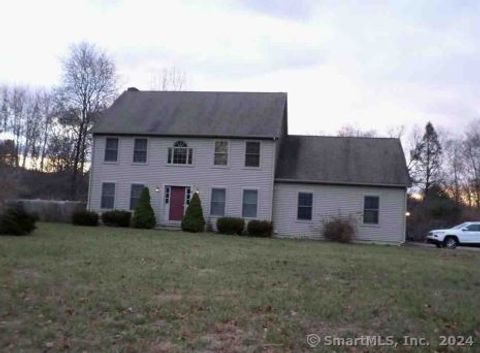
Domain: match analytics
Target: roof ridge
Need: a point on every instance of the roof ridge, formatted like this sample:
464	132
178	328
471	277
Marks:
244	92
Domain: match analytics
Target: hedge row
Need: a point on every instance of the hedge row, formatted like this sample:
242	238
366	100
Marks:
143	217
232	225
115	218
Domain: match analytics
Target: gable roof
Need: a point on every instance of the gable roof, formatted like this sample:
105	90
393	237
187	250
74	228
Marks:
342	160
181	113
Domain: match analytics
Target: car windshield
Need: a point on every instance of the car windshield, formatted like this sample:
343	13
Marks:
460	226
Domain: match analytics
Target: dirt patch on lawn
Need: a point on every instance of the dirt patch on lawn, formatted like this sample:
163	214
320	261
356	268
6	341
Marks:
162	347
176	297
226	337
26	274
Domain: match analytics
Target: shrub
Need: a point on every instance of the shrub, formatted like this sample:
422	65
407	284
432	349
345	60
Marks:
116	218
230	225
16	221
143	216
339	228
260	228
85	218
193	220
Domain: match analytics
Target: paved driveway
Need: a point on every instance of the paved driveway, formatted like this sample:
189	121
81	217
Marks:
432	246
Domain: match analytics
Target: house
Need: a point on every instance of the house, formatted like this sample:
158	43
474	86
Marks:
233	148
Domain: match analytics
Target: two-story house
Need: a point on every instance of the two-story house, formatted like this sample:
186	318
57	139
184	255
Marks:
233	149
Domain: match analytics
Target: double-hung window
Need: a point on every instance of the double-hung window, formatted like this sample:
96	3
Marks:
111	149
180	153
305	203
221	153
250	203
371	207
108	195
217	203
135	192
140	150
252	154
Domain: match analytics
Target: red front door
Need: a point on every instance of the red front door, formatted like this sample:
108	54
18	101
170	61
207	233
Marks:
177	202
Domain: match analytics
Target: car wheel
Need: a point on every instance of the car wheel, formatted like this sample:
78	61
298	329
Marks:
450	242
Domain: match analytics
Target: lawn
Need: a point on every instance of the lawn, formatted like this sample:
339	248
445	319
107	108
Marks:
80	289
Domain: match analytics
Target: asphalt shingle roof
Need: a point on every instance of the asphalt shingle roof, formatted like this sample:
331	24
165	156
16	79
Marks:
226	114
342	160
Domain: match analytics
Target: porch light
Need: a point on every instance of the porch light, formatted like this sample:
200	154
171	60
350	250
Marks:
157	189
407	214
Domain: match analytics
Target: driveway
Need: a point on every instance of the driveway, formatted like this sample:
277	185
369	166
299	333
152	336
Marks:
432	246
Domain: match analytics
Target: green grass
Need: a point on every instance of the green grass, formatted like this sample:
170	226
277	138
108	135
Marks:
80	289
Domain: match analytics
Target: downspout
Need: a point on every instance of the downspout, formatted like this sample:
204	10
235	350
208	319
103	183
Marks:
90	177
275	143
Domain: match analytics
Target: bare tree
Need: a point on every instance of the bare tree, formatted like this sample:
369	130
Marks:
352	131
472	162
169	79
396	131
454	168
17	111
47	112
4	108
89	85
32	128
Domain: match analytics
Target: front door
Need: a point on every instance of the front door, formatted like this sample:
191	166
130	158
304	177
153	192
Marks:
177	202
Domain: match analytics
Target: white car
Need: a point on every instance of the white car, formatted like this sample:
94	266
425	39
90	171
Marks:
466	233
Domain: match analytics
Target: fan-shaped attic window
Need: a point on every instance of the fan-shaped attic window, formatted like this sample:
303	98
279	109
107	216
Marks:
180	153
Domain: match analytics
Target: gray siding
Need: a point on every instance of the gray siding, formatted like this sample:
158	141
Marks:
345	200
202	175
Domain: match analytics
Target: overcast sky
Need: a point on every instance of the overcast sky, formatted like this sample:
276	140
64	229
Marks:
371	64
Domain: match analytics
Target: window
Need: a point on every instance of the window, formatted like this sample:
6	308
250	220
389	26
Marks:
108	195
305	201
217	204
140	151
371	209
252	154
135	192
474	228
188	195
111	150
221	153
249	207
167	194
180	153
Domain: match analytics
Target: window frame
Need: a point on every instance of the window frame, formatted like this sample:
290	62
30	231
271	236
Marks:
224	202
146	150
304	206
102	195
188	157
257	204
106	149
259	154
131	193
227	153
370	210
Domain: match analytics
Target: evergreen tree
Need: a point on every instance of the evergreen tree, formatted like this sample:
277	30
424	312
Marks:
143	216
426	158
193	220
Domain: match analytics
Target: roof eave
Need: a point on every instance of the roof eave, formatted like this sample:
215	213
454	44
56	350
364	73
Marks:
128	134
345	183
